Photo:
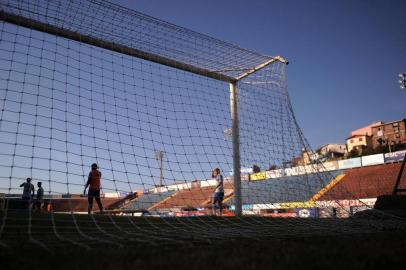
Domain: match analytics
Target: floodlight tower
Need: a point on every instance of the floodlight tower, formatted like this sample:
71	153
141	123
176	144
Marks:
159	155
402	80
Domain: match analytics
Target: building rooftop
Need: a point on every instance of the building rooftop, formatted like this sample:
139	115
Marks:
358	135
389	123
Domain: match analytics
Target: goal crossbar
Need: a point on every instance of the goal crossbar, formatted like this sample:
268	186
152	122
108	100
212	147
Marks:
50	29
232	68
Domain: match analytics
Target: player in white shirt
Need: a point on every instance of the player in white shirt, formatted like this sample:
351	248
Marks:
218	195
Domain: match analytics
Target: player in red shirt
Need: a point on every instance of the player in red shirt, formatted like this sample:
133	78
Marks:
93	182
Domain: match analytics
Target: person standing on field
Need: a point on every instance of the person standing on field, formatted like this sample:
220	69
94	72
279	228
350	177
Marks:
40	197
218	195
28	191
93	182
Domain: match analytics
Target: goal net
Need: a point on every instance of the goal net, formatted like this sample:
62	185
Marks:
157	107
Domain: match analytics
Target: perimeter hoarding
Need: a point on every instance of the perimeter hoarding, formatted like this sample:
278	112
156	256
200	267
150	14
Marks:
329	166
372	160
307	212
274	174
285	205
395	156
346	203
247	207
349	163
257	176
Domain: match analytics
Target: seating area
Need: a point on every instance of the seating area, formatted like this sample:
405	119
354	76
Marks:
188	198
366	182
197	197
146	201
285	189
357	183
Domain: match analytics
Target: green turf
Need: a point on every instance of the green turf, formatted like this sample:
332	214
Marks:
199	243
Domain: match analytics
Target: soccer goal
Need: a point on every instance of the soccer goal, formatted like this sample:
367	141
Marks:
82	86
156	108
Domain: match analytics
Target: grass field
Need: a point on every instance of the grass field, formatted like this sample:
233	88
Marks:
105	242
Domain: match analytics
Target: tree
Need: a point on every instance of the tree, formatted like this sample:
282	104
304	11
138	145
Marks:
353	153
272	167
256	169
399	147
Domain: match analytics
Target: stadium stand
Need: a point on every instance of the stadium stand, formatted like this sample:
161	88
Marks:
146	201
190	198
122	201
326	188
366	182
285	189
187	198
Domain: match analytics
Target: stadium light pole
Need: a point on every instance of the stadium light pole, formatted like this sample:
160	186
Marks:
228	134
159	155
236	149
402	80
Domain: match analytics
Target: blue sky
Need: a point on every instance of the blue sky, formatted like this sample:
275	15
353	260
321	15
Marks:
344	55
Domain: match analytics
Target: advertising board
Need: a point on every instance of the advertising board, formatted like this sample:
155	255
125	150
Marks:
330	165
280	215
306	212
372	160
244	207
290	205
345	203
273	174
258	176
265	206
395	156
349	163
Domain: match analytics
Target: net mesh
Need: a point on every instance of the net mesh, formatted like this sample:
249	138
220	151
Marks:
87	82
